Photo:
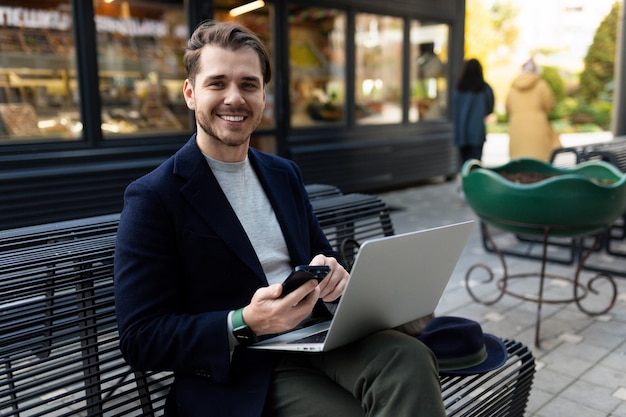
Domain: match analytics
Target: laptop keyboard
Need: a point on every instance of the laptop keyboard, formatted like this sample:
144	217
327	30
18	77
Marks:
314	338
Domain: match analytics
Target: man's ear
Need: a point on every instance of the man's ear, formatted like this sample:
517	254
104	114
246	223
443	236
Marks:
188	94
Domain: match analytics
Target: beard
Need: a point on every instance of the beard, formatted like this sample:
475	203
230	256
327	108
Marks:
231	137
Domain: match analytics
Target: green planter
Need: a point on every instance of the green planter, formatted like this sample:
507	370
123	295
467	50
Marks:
575	201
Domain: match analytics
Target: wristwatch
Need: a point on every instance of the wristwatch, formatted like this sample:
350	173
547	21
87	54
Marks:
244	335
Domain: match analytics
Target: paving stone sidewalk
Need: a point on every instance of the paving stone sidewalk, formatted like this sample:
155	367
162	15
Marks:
581	365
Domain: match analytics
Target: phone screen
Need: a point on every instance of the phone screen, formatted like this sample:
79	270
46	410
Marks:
302	274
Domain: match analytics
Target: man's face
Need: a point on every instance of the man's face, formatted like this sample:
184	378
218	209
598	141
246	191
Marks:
228	97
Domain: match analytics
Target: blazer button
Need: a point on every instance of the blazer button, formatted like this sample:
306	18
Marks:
203	373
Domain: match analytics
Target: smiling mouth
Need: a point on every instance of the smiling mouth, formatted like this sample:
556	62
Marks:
232	118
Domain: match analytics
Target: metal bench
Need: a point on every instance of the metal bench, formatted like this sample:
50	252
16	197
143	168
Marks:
59	349
500	393
59	353
614	152
348	219
321	191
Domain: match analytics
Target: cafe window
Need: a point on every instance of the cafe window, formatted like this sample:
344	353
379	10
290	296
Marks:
140	45
258	17
429	56
378	67
38	88
316	66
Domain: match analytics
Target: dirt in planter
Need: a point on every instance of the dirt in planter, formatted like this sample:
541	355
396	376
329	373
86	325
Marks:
531	177
525	177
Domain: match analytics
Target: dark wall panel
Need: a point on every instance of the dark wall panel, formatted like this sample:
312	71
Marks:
376	165
447	9
37	196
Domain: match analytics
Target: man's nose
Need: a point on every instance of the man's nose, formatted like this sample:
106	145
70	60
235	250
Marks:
233	95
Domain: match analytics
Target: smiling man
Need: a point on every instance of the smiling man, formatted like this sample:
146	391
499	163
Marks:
203	245
227	93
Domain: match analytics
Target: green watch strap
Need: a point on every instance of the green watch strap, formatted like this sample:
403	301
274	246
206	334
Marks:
237	319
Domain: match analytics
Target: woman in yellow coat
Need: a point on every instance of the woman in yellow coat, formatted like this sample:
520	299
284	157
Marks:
527	105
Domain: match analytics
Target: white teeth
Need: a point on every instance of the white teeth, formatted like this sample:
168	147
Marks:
232	118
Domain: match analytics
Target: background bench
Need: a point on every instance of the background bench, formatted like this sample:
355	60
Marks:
59	350
59	353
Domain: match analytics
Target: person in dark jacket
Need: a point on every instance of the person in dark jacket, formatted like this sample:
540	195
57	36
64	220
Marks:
203	244
472	102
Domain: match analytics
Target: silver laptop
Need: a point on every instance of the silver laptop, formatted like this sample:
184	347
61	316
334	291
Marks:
394	280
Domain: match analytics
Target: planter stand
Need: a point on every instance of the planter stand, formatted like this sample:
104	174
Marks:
580	290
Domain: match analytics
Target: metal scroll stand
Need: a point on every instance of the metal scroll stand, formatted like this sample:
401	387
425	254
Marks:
580	289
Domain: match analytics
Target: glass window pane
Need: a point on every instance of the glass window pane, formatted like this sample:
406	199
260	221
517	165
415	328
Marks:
140	47
378	88
259	20
429	55
316	66
38	96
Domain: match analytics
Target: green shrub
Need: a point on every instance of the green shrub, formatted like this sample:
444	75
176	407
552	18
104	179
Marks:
582	113
601	114
564	108
555	81
552	76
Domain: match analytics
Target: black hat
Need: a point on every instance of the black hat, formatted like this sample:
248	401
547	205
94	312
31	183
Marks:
461	347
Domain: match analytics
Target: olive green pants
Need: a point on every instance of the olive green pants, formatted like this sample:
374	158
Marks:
387	374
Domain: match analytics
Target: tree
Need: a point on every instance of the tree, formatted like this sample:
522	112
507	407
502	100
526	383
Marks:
557	85
503	16
599	63
555	81
489	30
480	39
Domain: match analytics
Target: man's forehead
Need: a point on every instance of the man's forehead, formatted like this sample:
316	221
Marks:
216	59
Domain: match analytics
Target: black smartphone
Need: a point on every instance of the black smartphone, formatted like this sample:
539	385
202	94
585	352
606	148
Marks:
302	274
319	271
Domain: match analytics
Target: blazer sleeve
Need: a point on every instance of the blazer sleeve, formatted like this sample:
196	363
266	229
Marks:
157	330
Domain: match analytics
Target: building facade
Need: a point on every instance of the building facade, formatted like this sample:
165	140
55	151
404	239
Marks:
91	94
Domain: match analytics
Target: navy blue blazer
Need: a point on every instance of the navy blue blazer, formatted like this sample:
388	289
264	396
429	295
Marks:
183	261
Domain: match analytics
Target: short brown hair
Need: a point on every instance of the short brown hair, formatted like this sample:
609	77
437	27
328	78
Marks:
227	35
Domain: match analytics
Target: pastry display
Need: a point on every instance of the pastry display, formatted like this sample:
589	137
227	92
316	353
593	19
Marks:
36	42
19	119
37	93
11	41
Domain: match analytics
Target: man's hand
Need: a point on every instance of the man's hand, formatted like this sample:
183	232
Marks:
269	314
334	284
